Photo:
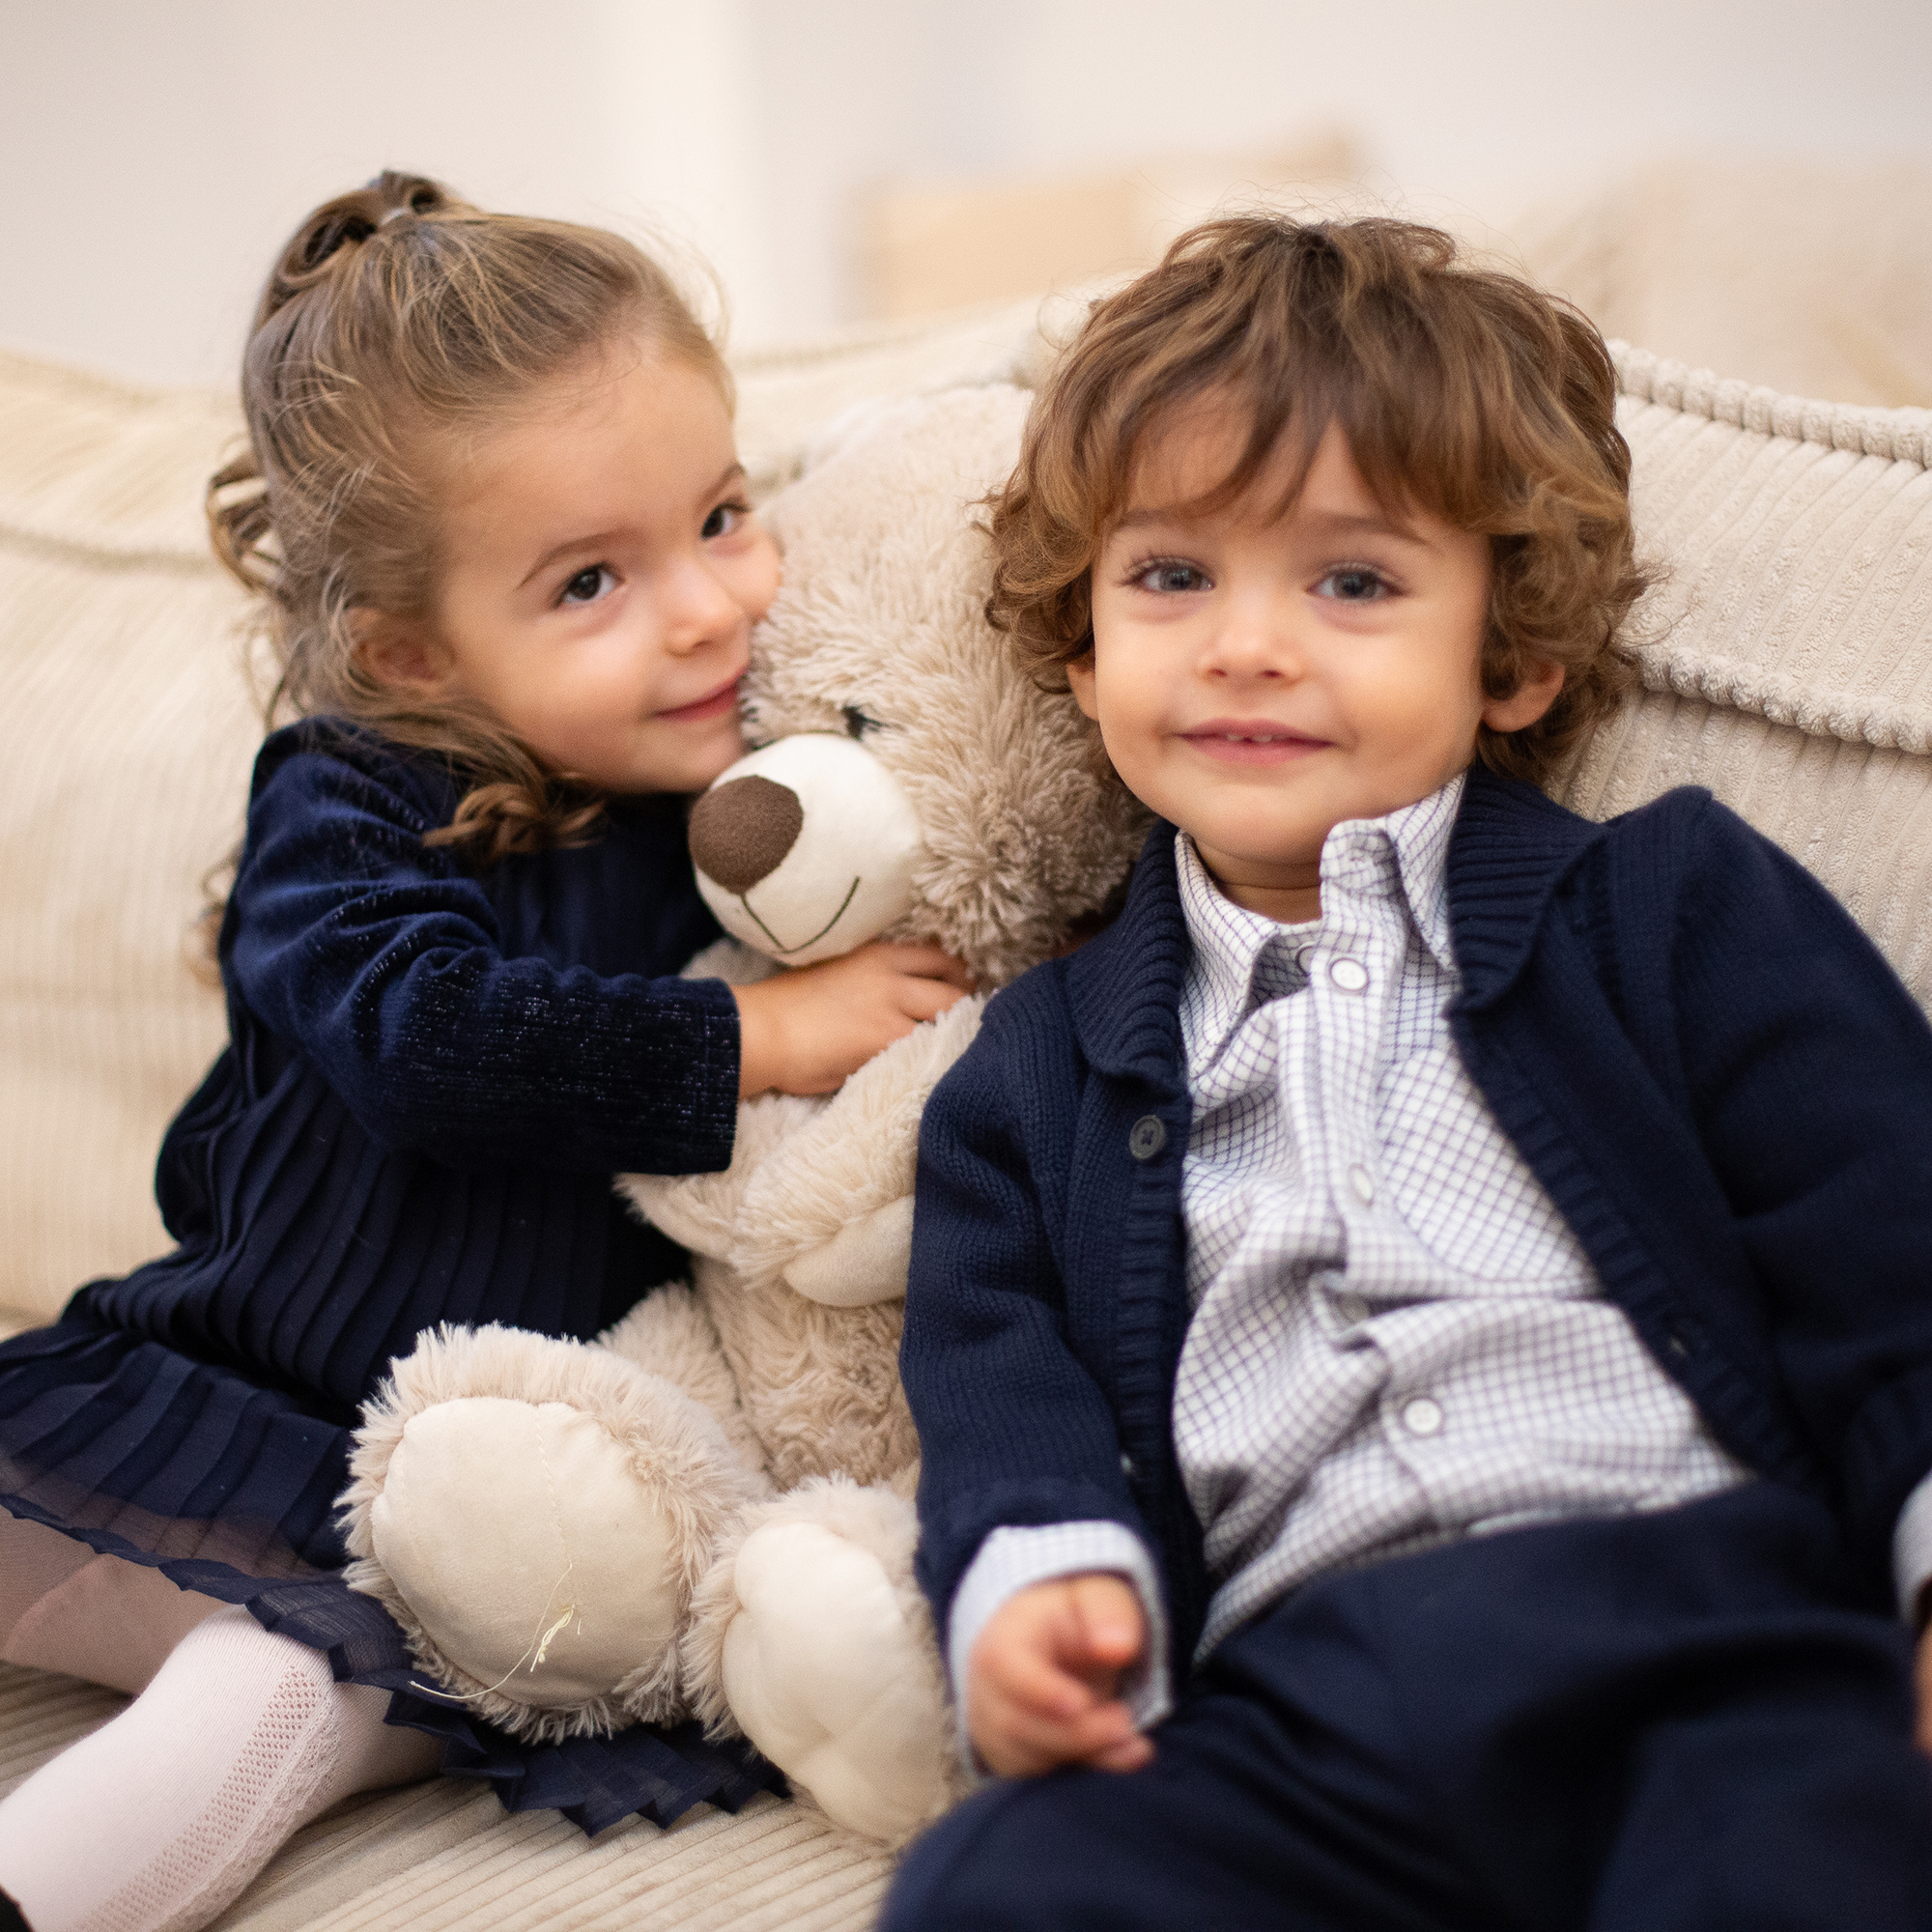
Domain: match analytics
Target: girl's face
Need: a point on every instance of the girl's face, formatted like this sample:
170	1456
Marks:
599	575
1260	678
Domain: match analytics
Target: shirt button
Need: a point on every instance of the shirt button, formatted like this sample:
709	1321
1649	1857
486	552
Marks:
1351	1307
1351	975
1422	1416
1363	1184
1305	956
1147	1137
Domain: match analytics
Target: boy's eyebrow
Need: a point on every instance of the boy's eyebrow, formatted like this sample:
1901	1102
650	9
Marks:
591	538
1340	522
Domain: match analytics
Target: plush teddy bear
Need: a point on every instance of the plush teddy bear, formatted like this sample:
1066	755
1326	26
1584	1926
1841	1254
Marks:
709	1510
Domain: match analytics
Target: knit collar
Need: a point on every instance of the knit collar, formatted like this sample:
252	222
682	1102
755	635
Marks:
1509	848
1243	960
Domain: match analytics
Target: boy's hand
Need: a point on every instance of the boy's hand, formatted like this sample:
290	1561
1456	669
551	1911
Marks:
1041	1682
806	1030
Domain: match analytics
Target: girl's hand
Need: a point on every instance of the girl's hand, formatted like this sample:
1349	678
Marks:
1041	1680
804	1031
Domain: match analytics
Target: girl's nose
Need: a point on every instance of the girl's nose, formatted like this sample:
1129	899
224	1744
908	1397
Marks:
697	608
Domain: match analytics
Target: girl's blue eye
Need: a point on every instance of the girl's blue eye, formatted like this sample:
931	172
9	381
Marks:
1170	578
723	520
1352	587
589	584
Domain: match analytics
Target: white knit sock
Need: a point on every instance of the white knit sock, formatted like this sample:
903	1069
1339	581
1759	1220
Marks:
159	1820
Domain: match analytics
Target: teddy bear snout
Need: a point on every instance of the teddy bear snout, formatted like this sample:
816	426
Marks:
742	830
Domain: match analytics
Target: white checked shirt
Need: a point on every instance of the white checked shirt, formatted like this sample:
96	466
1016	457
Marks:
1396	1337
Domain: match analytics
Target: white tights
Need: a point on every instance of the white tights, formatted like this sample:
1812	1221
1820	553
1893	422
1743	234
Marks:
238	1738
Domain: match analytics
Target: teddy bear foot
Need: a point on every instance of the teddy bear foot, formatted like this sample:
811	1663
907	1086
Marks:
539	1544
812	1637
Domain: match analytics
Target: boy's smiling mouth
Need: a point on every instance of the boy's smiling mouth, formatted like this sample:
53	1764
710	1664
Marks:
1250	741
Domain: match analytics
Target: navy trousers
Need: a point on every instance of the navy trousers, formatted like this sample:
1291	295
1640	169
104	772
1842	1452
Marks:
1687	1722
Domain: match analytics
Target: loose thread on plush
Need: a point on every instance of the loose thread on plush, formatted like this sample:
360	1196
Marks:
540	1644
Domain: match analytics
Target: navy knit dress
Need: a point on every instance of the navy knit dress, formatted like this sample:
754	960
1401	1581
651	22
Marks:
431	1077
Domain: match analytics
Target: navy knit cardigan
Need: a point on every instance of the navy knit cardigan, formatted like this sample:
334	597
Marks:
1720	1081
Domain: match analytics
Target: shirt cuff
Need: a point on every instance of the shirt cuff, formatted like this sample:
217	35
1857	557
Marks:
1912	1550
1011	1560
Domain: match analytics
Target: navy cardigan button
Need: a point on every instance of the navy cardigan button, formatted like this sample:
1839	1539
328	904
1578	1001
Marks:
1148	1137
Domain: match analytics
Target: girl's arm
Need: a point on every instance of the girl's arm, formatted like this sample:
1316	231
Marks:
381	961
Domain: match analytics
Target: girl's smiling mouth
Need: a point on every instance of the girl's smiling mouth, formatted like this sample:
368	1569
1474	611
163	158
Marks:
715	705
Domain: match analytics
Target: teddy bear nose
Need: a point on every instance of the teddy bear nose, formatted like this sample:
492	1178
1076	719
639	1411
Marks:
741	832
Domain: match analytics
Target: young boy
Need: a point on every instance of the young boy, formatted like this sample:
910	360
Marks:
1421	1333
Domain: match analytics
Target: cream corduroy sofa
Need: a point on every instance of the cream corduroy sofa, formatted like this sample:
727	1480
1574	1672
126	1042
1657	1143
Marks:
1787	666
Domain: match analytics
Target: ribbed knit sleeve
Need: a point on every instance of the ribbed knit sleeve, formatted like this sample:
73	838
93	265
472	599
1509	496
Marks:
381	961
1808	1070
1013	1429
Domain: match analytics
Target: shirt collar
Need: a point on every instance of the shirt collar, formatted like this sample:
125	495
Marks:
1243	958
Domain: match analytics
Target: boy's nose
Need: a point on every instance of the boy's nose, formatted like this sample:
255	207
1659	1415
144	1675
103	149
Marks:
1254	645
741	832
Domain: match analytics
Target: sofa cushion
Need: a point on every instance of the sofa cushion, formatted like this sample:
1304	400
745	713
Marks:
1787	650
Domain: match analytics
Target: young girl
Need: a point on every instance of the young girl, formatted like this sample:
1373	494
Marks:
491	500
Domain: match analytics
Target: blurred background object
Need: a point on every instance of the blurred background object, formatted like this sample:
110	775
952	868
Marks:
845	161
930	247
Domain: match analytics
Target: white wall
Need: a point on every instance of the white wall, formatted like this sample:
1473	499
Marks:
152	156
155	154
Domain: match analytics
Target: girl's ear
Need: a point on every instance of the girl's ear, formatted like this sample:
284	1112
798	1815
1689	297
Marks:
1528	701
402	655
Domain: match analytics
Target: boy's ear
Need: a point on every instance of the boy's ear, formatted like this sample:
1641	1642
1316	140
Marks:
1528	701
402	655
1080	681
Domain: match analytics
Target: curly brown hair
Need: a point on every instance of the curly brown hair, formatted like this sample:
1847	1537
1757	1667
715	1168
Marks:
396	315
1462	392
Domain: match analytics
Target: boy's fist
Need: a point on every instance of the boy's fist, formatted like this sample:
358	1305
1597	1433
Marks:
1042	1681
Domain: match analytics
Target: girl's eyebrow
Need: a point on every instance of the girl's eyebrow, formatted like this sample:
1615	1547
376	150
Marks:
593	539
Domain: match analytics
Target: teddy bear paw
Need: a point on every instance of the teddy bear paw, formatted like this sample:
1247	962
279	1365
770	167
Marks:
531	1560
535	1514
829	1677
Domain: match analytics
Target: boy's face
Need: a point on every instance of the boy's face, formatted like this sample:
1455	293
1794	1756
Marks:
1258	680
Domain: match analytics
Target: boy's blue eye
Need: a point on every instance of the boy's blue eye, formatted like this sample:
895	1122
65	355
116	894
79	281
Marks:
1170	578
1352	587
724	518
589	584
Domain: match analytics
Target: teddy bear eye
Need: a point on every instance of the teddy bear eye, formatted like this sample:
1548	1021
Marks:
857	723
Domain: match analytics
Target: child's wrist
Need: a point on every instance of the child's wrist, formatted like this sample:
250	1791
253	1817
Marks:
760	1040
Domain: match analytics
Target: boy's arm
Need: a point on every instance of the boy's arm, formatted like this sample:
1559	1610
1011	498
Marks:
1810	1073
1016	1433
